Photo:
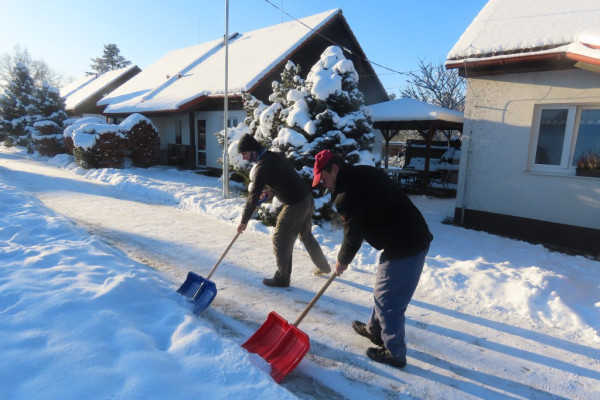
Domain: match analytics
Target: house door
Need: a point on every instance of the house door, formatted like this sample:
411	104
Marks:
201	142
209	151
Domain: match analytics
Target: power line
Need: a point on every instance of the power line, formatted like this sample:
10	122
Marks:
340	46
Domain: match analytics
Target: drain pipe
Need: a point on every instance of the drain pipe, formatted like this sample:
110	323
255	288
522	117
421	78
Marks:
465	179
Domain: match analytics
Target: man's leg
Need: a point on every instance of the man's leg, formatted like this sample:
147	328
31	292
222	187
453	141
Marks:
395	285
286	231
306	237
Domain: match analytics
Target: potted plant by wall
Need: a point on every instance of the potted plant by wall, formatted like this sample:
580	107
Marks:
588	163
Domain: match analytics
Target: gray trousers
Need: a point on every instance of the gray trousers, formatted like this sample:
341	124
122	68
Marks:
293	221
395	285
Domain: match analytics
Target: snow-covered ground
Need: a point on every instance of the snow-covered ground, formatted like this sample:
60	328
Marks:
91	260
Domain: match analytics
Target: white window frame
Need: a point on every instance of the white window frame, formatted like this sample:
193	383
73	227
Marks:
569	142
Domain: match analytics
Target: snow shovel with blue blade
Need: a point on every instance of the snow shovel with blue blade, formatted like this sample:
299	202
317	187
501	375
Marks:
202	291
281	344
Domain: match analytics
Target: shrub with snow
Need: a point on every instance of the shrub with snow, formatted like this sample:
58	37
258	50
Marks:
72	125
143	141
99	145
47	138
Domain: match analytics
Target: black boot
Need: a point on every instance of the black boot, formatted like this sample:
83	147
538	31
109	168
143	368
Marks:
274	282
382	355
361	329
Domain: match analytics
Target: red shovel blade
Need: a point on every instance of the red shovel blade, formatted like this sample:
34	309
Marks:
269	334
282	345
288	353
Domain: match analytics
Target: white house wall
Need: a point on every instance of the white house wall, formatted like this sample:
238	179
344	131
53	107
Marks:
494	174
167	127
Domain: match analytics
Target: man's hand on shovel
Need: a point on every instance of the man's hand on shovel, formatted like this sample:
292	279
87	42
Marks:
241	228
265	195
340	268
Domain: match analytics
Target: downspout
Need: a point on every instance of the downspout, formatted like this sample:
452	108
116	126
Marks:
465	179
468	155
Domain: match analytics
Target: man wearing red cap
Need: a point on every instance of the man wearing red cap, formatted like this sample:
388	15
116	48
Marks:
275	175
375	209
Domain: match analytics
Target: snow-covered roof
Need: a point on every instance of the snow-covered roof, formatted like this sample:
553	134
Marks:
509	28
77	92
188	74
407	109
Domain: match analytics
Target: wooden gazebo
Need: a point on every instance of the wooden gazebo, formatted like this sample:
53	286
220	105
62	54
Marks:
406	114
393	116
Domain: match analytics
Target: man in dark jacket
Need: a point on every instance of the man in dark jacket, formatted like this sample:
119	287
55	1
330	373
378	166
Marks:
273	172
374	209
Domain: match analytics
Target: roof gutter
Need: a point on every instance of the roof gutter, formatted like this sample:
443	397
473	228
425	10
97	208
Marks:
583	59
505	61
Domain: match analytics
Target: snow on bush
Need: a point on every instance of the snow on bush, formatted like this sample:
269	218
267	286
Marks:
143	140
76	124
47	138
98	144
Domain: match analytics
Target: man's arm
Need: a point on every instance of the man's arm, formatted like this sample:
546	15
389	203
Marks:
353	230
256	190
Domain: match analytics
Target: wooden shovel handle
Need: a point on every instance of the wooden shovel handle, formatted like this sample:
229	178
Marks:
212	271
314	300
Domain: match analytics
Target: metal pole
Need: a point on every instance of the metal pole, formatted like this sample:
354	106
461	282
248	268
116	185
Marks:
226	101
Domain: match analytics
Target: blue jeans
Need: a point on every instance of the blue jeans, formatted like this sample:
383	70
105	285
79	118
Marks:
395	285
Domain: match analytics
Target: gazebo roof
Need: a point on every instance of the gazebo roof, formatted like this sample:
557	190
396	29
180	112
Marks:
411	114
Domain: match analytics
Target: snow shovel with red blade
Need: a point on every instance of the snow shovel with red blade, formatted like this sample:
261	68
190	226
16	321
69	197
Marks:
201	291
283	345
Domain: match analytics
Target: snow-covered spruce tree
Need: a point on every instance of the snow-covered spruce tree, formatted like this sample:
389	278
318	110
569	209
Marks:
49	104
17	107
31	113
46	135
326	111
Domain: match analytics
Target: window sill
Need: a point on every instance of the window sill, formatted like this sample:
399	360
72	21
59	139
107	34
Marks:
556	174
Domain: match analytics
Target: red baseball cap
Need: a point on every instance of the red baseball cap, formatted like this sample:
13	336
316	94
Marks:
321	159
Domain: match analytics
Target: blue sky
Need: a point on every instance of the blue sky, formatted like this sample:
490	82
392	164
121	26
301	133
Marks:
68	33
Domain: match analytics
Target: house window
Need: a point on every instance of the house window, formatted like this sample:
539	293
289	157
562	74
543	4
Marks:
563	133
178	132
588	133
201	141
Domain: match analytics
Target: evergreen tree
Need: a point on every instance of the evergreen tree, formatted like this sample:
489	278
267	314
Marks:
17	105
23	104
111	59
325	111
49	105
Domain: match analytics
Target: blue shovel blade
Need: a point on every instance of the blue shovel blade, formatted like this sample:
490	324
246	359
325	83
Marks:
205	295
199	291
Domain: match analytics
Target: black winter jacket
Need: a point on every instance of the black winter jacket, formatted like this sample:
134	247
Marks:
275	172
375	209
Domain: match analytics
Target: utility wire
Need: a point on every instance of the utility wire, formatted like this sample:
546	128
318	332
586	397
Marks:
340	46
